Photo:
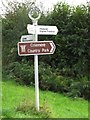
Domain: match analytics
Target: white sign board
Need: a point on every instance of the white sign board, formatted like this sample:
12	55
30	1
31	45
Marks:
31	29
47	30
26	38
42	30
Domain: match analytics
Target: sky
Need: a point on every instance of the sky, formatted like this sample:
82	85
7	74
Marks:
47	3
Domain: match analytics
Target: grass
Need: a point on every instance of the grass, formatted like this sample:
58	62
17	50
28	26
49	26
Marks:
18	102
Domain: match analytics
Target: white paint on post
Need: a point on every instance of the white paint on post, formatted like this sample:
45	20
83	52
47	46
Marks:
36	82
36	71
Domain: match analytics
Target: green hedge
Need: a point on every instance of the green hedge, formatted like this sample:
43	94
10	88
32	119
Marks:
49	79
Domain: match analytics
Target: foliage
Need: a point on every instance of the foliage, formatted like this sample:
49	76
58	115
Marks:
80	88
72	41
49	80
22	72
13	26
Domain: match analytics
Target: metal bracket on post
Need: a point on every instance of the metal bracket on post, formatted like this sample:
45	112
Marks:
34	15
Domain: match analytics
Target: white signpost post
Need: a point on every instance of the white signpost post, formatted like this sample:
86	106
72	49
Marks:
36	47
37	12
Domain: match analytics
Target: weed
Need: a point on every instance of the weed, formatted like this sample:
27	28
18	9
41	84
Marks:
27	107
45	111
24	106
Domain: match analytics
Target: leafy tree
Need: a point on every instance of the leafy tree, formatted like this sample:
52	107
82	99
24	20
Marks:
14	25
72	41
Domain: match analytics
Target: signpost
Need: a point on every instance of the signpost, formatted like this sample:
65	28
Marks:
36	48
34	15
27	47
26	38
42	30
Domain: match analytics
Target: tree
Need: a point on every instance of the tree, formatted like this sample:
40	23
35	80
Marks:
14	25
72	41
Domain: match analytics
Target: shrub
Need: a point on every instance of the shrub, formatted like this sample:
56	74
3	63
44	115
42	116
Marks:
22	72
80	88
52	80
49	79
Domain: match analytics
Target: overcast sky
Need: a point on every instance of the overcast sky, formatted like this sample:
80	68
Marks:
47	3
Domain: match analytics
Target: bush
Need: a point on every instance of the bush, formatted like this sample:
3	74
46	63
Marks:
22	72
49	79
80	88
52	80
